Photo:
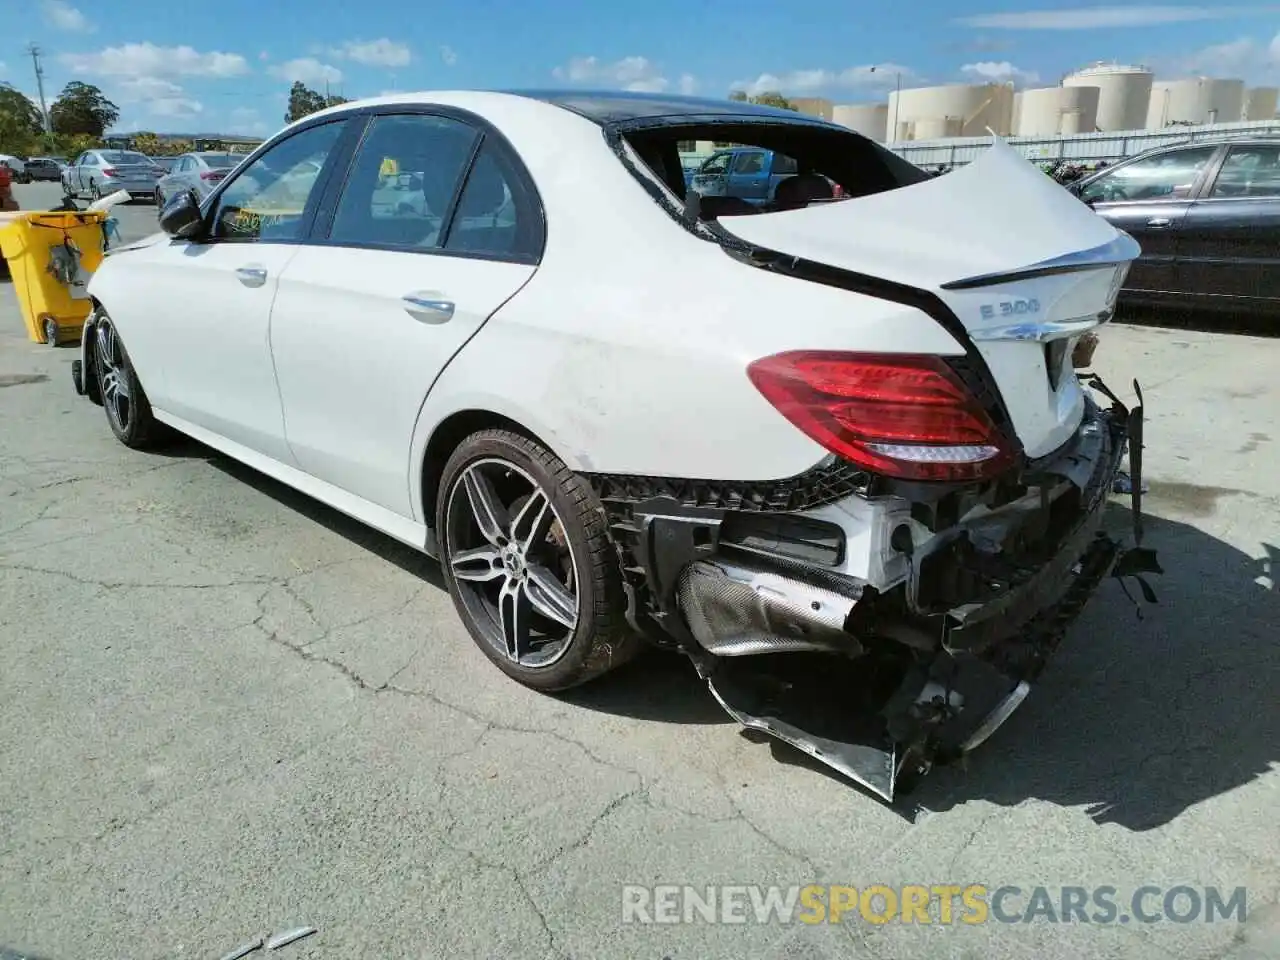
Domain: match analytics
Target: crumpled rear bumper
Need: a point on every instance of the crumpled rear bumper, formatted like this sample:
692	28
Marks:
803	656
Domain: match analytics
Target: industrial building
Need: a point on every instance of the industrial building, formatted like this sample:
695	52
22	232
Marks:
1053	111
955	110
1100	98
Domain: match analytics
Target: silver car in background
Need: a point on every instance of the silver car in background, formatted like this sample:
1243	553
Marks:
200	172
99	173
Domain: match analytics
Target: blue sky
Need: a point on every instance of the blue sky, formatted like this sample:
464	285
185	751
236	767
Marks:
226	65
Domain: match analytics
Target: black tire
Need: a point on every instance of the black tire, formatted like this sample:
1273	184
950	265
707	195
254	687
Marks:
95	193
52	335
577	540
129	415
159	202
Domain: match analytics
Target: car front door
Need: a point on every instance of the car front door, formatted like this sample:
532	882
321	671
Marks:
1148	198
711	179
1229	244
212	296
412	267
749	175
81	172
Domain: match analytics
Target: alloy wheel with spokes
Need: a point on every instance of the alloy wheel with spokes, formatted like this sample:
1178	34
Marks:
513	562
114	381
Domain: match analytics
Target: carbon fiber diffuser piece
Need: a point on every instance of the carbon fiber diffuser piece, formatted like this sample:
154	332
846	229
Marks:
737	609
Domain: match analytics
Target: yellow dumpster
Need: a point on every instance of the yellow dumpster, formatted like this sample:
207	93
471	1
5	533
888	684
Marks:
51	255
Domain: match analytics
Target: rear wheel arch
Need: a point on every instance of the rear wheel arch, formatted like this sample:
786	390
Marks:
446	437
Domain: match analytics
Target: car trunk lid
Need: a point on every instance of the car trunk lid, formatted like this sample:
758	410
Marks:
1025	267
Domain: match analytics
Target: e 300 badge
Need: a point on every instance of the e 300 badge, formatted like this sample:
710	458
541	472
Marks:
1009	308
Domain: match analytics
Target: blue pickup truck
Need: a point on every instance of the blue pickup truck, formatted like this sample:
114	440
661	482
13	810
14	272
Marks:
749	173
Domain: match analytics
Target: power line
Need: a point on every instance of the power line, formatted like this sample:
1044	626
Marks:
44	108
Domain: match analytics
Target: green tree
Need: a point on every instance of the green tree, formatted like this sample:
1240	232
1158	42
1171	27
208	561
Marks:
772	98
82	108
20	125
148	143
303	101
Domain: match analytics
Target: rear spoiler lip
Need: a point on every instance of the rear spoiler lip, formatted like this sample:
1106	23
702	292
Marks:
1123	249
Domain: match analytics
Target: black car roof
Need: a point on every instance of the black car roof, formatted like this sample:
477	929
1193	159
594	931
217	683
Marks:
607	107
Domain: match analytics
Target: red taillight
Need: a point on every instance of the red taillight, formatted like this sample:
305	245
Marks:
108	171
899	415
213	175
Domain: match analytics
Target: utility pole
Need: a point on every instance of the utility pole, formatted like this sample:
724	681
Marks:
44	109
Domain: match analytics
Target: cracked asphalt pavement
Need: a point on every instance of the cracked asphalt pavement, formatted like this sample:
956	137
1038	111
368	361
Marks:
226	710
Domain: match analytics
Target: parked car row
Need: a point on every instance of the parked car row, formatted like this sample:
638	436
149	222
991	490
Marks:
32	168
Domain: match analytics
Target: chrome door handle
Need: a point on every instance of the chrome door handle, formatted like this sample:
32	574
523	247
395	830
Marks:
428	309
1159	222
251	276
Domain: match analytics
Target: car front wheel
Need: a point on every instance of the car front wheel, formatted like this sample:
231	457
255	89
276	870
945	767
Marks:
528	562
128	412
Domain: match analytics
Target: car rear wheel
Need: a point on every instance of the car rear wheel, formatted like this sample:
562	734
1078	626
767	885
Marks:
128	411
528	562
94	192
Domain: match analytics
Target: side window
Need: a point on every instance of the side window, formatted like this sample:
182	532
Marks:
405	175
752	162
1252	171
784	166
717	164
1169	176
266	200
491	219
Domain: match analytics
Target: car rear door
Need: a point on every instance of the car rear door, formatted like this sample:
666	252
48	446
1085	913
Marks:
399	278
1148	198
1229	244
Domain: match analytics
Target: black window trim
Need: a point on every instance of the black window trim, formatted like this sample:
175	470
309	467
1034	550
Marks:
314	200
525	193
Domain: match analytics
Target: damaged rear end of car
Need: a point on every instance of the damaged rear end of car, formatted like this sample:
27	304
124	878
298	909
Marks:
890	608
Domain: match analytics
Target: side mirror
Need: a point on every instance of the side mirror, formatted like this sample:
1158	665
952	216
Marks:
181	216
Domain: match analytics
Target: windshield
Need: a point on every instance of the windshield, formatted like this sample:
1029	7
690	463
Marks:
125	156
221	159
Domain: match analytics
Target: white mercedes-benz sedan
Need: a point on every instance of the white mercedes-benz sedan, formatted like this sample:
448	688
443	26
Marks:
820	432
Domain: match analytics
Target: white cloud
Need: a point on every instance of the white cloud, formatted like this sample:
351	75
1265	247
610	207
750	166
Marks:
247	120
155	95
1254	61
630	73
448	55
373	53
60	14
879	76
149	60
688	84
1093	18
999	72
309	71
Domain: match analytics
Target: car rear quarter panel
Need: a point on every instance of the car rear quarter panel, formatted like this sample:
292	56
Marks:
627	352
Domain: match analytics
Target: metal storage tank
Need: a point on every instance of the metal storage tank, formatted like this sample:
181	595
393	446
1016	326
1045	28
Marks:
936	128
1124	93
976	107
1260	103
813	106
1050	111
869	119
1200	100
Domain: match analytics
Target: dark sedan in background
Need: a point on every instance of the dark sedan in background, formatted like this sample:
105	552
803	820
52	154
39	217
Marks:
1207	215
